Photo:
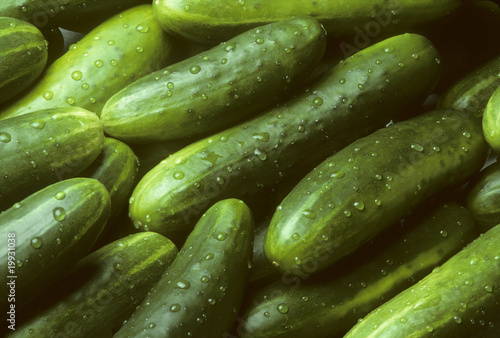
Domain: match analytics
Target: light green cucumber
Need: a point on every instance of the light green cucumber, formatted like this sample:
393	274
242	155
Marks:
119	51
491	120
102	290
201	292
217	88
215	21
460	298
43	147
368	185
354	98
23	56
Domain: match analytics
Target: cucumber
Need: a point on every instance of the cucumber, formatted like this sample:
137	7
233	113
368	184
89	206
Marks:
367	186
483	198
102	290
215	21
491	119
44	147
328	305
200	293
472	92
356	97
217	88
458	299
113	55
23	56
47	233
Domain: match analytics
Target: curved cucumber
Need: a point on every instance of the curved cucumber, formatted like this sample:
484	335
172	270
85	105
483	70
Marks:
328	305
102	290
113	55
49	231
200	293
491	119
217	88
472	92
23	56
356	97
44	147
458	299
215	21
367	186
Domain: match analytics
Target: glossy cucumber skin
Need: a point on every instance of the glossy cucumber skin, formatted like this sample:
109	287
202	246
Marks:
287	140
105	287
23	56
44	147
114	54
200	293
330	304
483	198
368	185
491	119
216	89
460	298
215	21
53	229
472	92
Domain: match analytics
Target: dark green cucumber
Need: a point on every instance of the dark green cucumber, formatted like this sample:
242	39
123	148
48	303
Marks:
215	21
367	186
44	147
356	97
328	305
217	88
23	56
459	299
483	198
48	232
491	119
201	292
113	55
102	290
472	92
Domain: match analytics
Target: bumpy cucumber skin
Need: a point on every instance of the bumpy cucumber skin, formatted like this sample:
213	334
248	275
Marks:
483	199
104	286
491	119
459	299
54	228
368	185
23	56
217	88
113	55
289	140
215	21
331	304
44	147
201	292
472	92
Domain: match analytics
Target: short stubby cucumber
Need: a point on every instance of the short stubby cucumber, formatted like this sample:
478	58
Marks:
49	232
330	304
472	92
356	97
458	299
23	56
368	185
491	119
215	21
217	88
43	147
201	292
102	290
111	56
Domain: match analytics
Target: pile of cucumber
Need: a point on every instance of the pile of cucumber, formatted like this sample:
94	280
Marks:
250	168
